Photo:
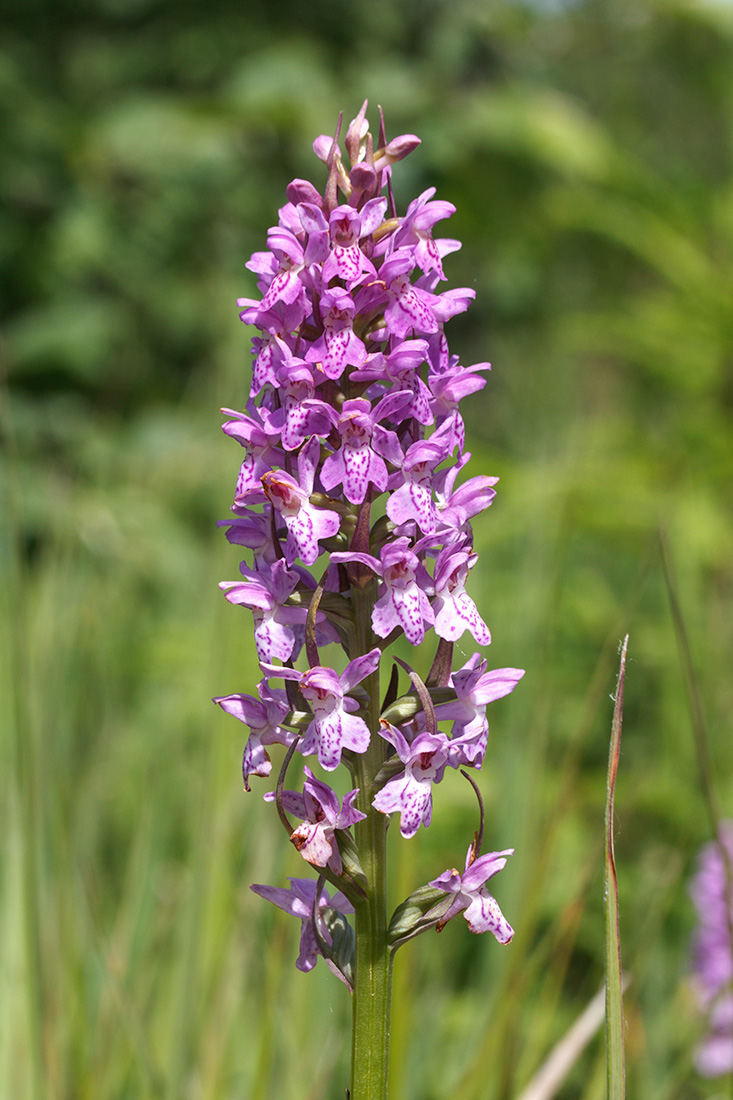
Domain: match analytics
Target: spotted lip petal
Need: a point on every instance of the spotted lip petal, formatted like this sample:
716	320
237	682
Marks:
471	897
320	813
333	727
356	465
409	793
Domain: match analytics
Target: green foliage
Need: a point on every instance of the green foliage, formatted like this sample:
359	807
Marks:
145	146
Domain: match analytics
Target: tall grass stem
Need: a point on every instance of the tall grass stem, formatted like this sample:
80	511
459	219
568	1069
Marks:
615	1066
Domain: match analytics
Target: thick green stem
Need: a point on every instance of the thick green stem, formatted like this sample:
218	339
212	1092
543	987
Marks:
373	969
371	1008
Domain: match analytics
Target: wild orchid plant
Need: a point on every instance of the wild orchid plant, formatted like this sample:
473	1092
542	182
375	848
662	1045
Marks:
713	954
353	446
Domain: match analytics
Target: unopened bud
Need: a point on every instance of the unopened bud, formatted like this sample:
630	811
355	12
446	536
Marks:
363	181
303	191
397	149
322	147
356	134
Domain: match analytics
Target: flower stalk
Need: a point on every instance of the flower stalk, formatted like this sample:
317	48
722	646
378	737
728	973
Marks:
372	994
357	534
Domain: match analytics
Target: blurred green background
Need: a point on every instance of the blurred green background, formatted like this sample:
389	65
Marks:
146	146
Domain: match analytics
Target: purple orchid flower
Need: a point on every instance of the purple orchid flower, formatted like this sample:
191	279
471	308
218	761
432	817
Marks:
409	793
416	230
409	308
457	506
448	389
276	343
266	594
300	414
321	813
475	688
714	1054
253	530
335	727
358	463
299	900
260	448
346	260
396	149
413	499
301	192
712	954
305	523
452	385
471	897
401	368
279	272
313	224
455	611
338	346
403	595
447	304
263	716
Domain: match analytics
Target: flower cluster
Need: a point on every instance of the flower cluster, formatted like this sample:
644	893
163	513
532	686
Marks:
712	894
347	499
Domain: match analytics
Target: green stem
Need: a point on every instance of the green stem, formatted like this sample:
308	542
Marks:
373	964
371	1009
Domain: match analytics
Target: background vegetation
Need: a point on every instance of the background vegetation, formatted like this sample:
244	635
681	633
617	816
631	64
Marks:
145	147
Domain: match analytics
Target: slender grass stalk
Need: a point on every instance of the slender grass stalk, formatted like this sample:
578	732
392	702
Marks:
615	1067
694	698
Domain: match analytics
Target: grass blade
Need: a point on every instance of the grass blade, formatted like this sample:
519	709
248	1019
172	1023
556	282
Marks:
692	688
614	981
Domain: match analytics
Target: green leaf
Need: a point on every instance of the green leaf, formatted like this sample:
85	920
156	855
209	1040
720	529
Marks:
407	706
350	857
391	767
422	910
341	949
